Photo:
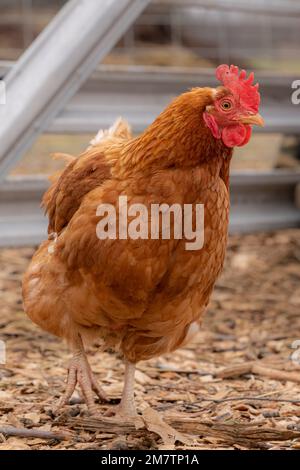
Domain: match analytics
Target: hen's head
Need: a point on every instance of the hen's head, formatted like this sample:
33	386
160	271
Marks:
235	107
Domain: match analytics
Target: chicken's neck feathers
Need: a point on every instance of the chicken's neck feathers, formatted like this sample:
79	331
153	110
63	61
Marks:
178	138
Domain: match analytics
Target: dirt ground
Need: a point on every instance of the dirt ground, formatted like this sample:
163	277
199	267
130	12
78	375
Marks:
235	387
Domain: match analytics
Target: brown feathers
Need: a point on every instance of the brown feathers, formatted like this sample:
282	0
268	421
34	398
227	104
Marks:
81	175
139	295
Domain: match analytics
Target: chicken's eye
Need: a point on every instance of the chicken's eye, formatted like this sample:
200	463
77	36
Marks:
226	105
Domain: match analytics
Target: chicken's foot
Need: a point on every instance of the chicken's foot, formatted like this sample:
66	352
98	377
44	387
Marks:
80	372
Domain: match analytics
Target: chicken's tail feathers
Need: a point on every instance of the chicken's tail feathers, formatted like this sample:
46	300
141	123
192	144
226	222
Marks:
120	130
55	176
66	157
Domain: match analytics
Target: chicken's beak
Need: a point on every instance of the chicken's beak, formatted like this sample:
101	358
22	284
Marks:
253	119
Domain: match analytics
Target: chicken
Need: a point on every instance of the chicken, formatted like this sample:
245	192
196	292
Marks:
143	296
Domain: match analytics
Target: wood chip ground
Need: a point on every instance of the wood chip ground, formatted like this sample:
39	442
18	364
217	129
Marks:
236	387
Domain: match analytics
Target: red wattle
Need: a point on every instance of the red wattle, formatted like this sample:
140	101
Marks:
236	135
248	135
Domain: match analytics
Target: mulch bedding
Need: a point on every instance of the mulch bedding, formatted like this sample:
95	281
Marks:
235	387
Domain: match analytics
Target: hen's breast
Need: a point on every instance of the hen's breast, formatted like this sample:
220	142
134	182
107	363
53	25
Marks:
183	295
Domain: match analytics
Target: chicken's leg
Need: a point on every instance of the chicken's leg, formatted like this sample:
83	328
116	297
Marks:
127	406
80	372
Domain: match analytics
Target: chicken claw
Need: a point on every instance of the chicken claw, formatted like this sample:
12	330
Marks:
80	372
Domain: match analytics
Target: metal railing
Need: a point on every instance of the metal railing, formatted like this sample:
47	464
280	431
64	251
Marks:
259	201
139	94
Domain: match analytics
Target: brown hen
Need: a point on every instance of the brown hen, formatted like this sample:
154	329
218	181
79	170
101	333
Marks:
144	297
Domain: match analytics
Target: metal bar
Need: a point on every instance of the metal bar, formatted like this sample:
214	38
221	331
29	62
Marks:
286	8
260	201
51	71
167	74
140	93
22	221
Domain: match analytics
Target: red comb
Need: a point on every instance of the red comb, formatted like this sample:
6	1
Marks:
238	83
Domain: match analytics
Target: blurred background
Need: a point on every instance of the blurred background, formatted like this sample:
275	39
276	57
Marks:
172	46
254	313
183	36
